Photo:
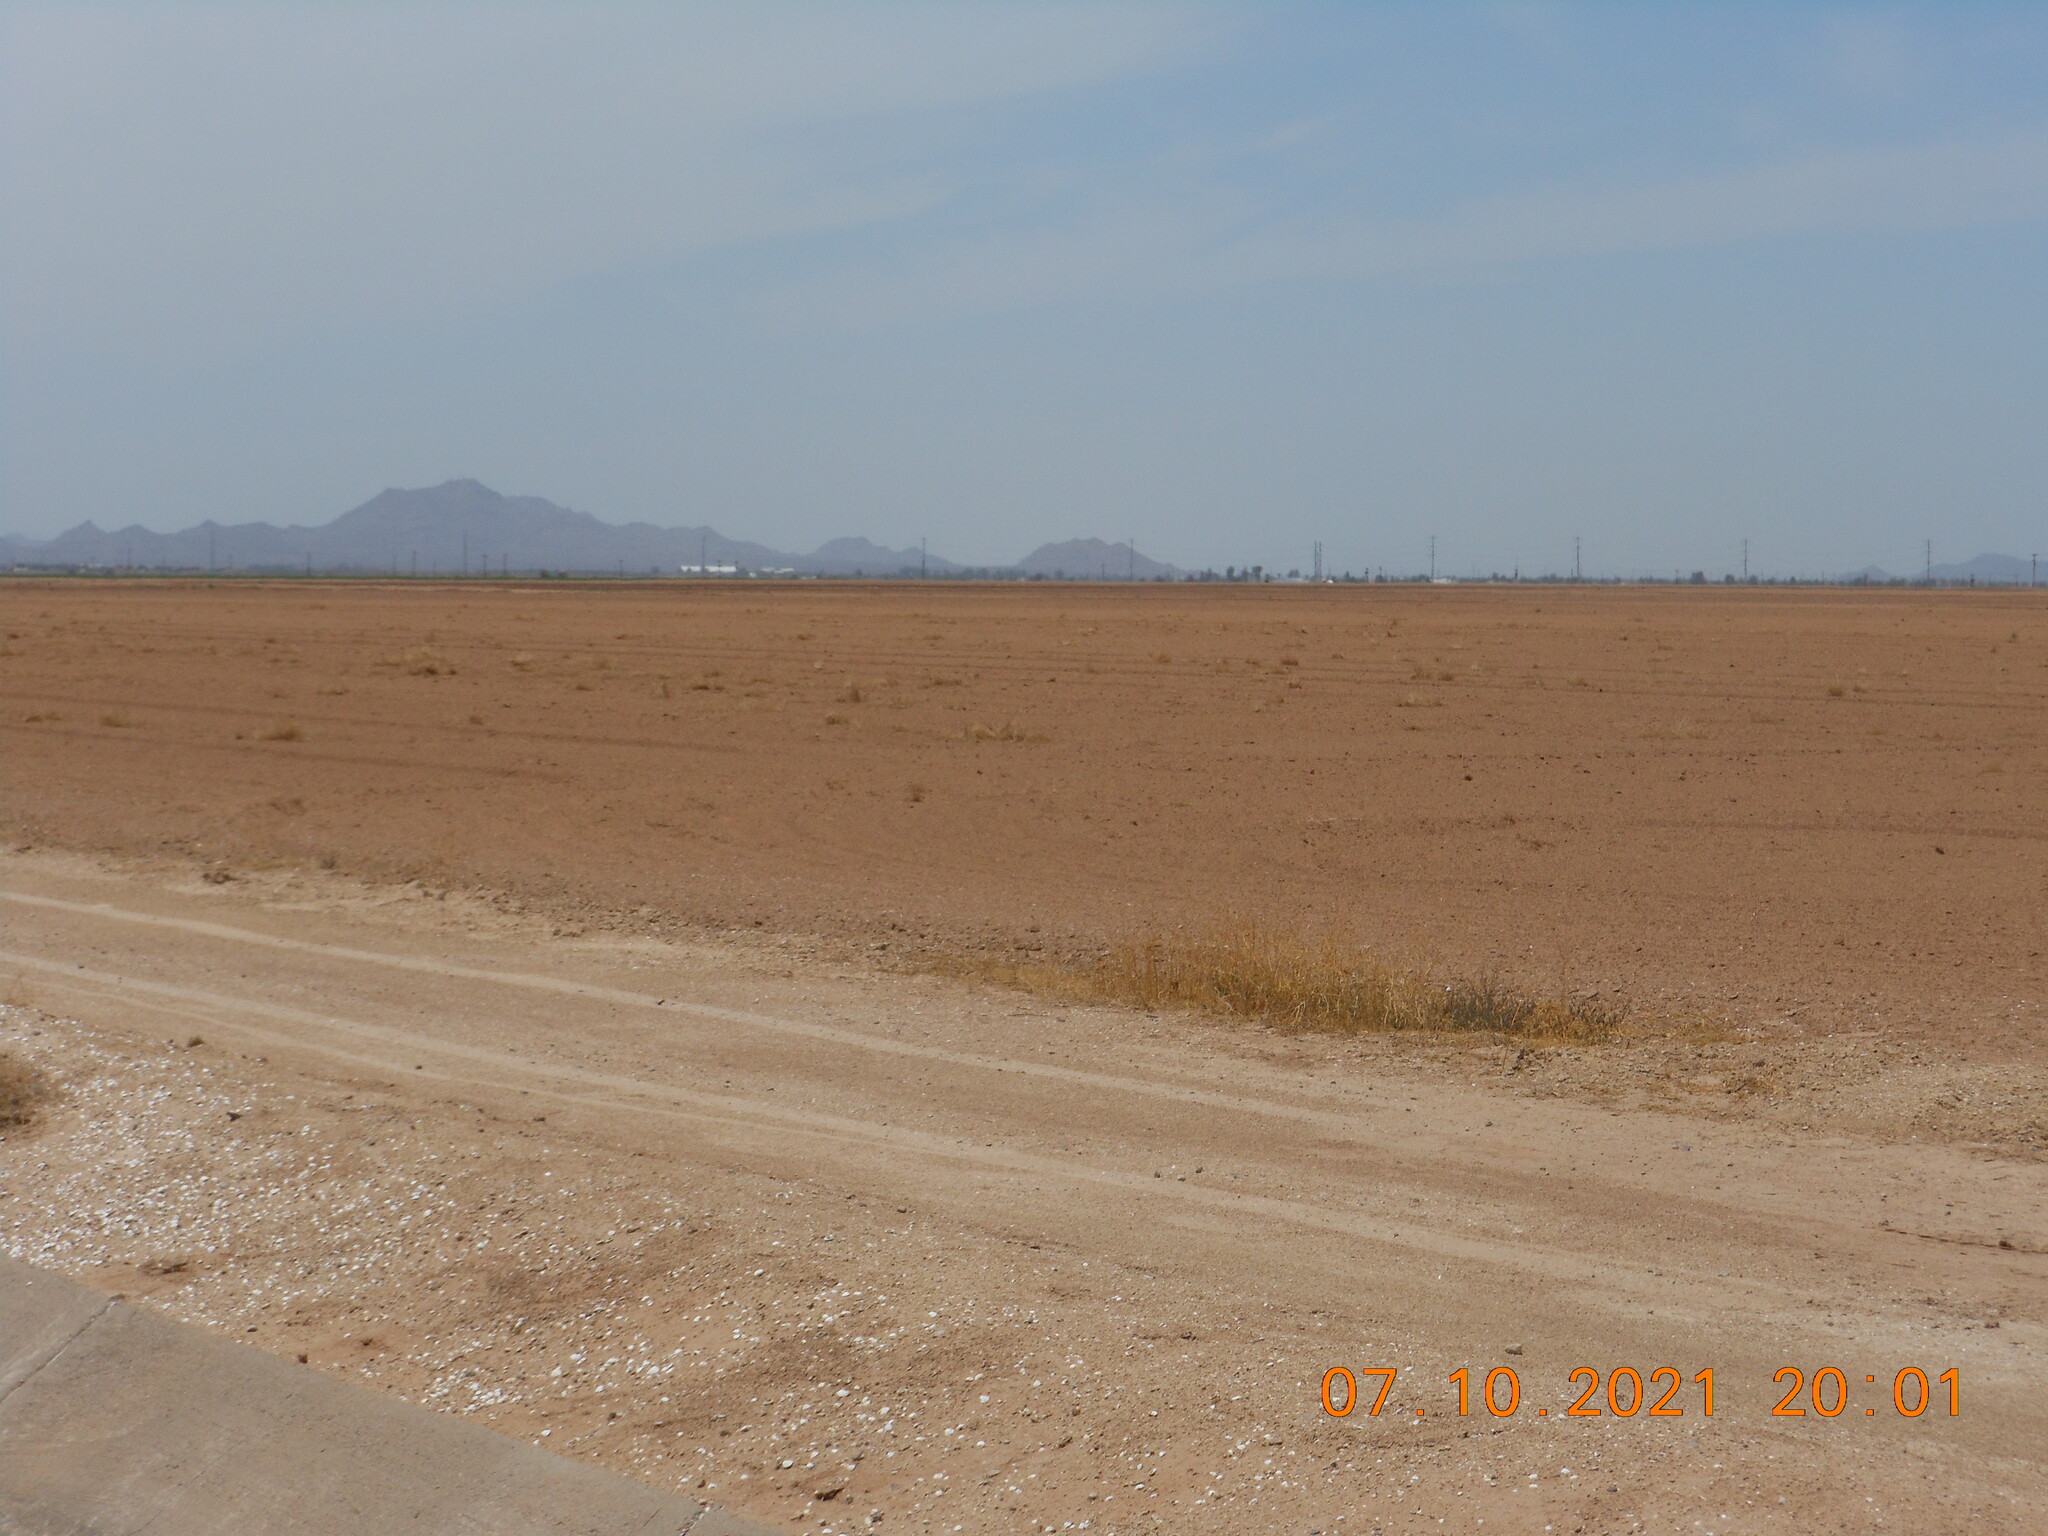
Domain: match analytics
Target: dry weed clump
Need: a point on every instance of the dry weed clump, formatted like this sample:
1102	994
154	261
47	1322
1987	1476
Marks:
421	661
1244	971
1009	730
286	730
23	1092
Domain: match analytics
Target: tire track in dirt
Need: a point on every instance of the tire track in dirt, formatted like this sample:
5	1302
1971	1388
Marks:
1322	1120
621	1092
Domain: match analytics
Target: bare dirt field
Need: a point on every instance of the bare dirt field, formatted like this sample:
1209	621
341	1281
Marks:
588	1039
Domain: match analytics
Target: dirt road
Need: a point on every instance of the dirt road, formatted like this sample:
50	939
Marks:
862	1250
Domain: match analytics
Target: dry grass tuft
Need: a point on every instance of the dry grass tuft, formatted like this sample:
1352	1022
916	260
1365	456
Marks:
1009	730
1245	971
115	718
23	1092
421	661
286	730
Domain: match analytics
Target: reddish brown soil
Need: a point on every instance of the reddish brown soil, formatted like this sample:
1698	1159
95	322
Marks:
855	1249
1751	801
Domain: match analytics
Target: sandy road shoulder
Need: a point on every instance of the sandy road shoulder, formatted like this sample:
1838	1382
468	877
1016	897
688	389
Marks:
1390	1182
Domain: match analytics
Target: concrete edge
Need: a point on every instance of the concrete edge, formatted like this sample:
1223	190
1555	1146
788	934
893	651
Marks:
113	1418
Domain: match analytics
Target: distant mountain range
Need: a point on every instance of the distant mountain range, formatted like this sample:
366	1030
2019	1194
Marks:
1985	570
465	526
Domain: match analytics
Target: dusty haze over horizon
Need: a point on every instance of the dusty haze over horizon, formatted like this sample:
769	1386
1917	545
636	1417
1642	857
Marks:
1224	280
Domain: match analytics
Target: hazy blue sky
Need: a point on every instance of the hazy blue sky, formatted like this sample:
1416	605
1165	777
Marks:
1228	279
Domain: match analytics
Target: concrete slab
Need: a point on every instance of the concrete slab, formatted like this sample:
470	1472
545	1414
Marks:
114	1419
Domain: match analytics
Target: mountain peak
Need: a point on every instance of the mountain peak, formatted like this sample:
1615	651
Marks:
1092	559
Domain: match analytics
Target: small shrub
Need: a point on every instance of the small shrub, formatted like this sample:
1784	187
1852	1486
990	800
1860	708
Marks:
115	718
23	1093
287	730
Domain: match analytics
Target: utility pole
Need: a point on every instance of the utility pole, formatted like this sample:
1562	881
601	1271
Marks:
923	563
1745	559
465	551
1927	566
1131	559
212	564
1432	557
704	554
1318	572
1578	566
